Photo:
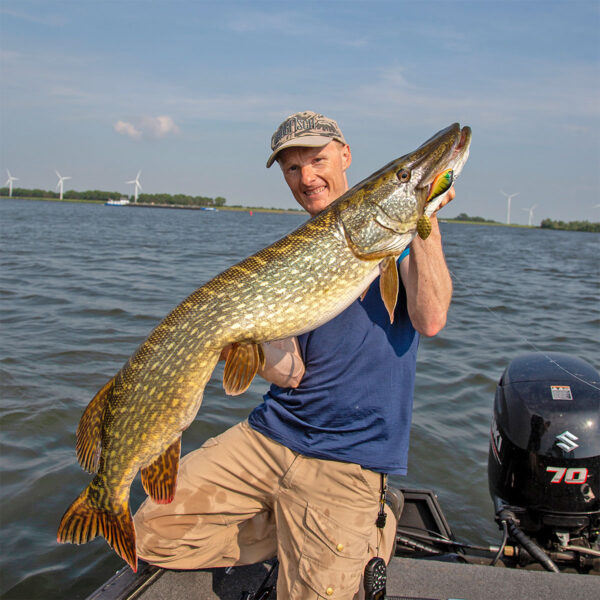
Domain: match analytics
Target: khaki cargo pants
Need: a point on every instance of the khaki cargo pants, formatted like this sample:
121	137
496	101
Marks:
242	498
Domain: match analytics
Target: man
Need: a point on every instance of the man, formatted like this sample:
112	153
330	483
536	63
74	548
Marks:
303	477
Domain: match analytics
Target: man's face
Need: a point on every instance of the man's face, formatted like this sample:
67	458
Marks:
316	176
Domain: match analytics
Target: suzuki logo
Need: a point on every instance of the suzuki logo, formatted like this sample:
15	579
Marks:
567	441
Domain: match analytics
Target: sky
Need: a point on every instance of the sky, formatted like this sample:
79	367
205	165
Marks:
190	92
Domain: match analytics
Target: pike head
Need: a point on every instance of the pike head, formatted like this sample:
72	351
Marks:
381	215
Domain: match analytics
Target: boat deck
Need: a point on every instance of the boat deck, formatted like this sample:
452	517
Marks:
446	576
407	578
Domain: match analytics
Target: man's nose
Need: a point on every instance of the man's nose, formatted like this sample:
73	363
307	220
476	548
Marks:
307	174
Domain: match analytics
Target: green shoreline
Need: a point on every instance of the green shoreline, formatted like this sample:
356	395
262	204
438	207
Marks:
489	223
176	206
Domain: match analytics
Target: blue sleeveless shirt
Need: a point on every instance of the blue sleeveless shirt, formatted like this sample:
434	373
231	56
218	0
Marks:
354	403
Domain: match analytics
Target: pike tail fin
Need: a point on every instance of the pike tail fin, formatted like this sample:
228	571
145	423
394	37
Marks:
83	522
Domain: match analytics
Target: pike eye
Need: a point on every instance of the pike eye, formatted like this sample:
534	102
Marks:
403	175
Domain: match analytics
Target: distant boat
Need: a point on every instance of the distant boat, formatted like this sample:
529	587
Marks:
208	208
119	202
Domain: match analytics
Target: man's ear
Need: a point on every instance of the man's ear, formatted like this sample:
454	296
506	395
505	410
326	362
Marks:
346	157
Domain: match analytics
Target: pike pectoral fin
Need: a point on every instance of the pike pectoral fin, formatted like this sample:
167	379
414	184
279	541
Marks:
160	478
89	430
83	521
241	366
388	284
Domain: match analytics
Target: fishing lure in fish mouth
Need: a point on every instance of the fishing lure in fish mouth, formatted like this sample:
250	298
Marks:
441	184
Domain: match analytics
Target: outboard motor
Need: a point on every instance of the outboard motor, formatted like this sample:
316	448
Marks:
544	460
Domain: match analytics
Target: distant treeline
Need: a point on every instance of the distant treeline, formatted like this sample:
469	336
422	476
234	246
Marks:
100	195
68	195
466	217
181	200
545	224
571	225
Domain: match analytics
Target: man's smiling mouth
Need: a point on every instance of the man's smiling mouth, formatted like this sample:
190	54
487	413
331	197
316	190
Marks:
315	191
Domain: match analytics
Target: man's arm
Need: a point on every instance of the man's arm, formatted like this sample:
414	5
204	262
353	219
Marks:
427	280
283	363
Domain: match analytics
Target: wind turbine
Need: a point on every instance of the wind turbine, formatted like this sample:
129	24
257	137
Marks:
509	197
9	182
60	184
530	213
138	185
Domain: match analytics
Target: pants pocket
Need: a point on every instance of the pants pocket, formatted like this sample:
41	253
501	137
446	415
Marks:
333	558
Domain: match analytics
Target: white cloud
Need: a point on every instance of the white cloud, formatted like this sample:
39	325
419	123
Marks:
128	129
147	127
159	127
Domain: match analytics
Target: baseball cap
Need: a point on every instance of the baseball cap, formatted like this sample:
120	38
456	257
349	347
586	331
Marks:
304	129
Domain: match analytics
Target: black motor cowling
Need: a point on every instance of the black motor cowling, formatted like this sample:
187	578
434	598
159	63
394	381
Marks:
544	456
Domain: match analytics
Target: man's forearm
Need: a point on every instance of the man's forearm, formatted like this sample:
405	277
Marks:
428	283
283	363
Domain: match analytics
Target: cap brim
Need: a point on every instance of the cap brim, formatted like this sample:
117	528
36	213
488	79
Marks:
306	141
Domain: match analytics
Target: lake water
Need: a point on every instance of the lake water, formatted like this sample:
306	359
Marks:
82	285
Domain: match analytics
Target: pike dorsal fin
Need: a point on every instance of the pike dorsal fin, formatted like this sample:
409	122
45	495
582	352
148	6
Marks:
160	477
241	366
89	430
388	284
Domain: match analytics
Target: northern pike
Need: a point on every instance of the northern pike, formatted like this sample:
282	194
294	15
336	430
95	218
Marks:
298	283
